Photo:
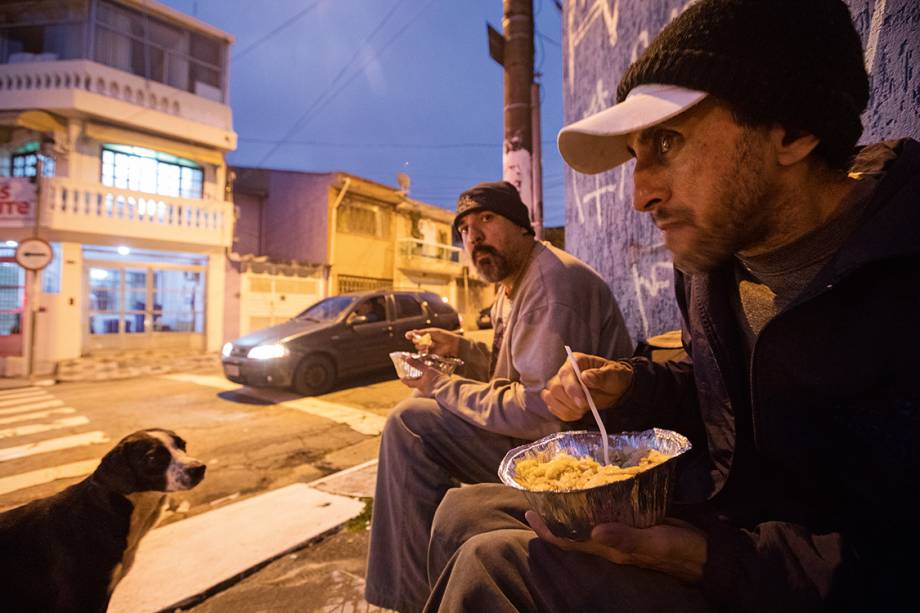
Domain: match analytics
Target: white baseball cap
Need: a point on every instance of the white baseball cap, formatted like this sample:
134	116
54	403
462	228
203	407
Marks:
598	142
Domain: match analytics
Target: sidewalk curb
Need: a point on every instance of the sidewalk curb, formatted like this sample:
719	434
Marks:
195	600
15	383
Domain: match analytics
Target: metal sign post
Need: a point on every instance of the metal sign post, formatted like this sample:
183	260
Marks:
34	254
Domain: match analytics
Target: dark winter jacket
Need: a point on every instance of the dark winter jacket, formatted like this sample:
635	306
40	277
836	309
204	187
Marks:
807	458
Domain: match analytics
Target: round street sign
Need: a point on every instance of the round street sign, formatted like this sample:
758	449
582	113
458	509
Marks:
34	253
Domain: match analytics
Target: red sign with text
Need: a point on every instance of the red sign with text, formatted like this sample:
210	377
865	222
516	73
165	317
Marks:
17	201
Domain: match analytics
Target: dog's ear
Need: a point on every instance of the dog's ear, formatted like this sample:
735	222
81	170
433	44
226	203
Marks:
180	442
116	472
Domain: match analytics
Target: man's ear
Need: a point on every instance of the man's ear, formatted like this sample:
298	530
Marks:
792	146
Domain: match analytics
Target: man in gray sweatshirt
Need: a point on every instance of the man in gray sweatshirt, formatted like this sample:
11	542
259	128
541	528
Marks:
456	429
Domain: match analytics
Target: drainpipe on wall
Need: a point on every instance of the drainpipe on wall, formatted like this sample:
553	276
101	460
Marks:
333	224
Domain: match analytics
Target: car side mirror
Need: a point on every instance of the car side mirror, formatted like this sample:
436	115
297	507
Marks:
354	320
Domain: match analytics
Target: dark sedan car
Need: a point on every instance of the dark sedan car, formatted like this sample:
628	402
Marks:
335	338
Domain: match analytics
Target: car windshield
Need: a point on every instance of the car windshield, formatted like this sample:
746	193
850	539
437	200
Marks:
326	310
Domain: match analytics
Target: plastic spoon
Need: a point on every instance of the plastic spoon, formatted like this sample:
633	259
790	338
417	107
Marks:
597	416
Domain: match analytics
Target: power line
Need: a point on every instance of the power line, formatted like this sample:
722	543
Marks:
326	97
268	141
358	73
284	25
548	39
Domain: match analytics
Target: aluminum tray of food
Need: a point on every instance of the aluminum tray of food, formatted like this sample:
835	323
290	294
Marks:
563	477
407	371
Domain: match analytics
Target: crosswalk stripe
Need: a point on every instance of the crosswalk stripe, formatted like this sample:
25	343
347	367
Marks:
46	475
19	390
36	415
67	422
26	398
31	407
358	420
53	444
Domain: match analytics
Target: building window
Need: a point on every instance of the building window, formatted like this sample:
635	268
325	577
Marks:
369	220
23	161
41	31
154	49
349	283
154	172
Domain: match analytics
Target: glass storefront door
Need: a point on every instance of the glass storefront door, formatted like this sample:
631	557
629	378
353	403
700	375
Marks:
144	306
12	304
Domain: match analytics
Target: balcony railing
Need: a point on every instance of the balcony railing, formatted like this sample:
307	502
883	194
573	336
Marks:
422	255
72	83
411	247
69	206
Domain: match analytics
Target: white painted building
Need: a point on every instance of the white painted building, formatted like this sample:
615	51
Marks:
125	103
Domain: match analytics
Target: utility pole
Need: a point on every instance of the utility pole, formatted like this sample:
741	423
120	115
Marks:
518	54
537	208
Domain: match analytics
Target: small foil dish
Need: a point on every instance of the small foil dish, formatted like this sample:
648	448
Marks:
640	501
407	371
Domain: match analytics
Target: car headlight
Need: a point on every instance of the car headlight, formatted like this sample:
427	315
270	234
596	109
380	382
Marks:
227	350
267	352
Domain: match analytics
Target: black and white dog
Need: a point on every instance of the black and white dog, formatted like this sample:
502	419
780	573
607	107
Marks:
67	552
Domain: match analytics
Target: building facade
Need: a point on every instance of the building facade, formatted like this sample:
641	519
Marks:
114	125
304	236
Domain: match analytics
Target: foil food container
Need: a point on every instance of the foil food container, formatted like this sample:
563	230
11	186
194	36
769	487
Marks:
640	501
406	371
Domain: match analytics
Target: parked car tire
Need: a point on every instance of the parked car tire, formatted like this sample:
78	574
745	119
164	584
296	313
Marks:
484	319
314	375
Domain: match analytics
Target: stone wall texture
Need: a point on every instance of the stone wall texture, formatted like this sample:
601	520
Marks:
600	39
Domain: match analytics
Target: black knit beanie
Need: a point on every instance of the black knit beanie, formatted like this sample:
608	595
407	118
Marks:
499	197
794	62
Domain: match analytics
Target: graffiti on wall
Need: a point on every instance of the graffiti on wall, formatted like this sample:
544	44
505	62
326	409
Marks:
622	245
601	38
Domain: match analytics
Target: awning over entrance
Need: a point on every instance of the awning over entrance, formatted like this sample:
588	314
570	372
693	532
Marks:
40	121
114	135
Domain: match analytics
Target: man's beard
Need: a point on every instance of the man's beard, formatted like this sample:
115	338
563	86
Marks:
494	268
738	217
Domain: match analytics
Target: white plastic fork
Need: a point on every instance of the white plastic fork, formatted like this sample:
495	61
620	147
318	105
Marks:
597	416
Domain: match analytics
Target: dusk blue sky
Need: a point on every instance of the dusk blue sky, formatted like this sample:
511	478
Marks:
419	92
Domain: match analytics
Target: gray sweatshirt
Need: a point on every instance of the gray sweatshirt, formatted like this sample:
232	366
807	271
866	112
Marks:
558	300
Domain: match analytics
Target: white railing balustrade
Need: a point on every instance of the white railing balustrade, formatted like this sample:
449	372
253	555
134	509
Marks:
37	77
411	247
71	206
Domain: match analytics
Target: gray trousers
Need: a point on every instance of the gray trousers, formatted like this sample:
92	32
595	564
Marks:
424	451
485	557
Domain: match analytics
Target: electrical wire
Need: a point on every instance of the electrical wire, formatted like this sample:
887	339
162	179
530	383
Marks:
340	145
329	94
543	36
359	72
303	13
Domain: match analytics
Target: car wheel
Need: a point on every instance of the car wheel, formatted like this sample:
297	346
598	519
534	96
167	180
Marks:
314	375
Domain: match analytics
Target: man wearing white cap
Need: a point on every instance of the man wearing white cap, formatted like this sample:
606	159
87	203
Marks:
794	260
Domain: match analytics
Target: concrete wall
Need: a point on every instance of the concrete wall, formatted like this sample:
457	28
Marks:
215	335
247	233
600	39
232	301
295	217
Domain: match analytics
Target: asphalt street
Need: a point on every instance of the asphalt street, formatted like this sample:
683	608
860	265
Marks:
253	441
